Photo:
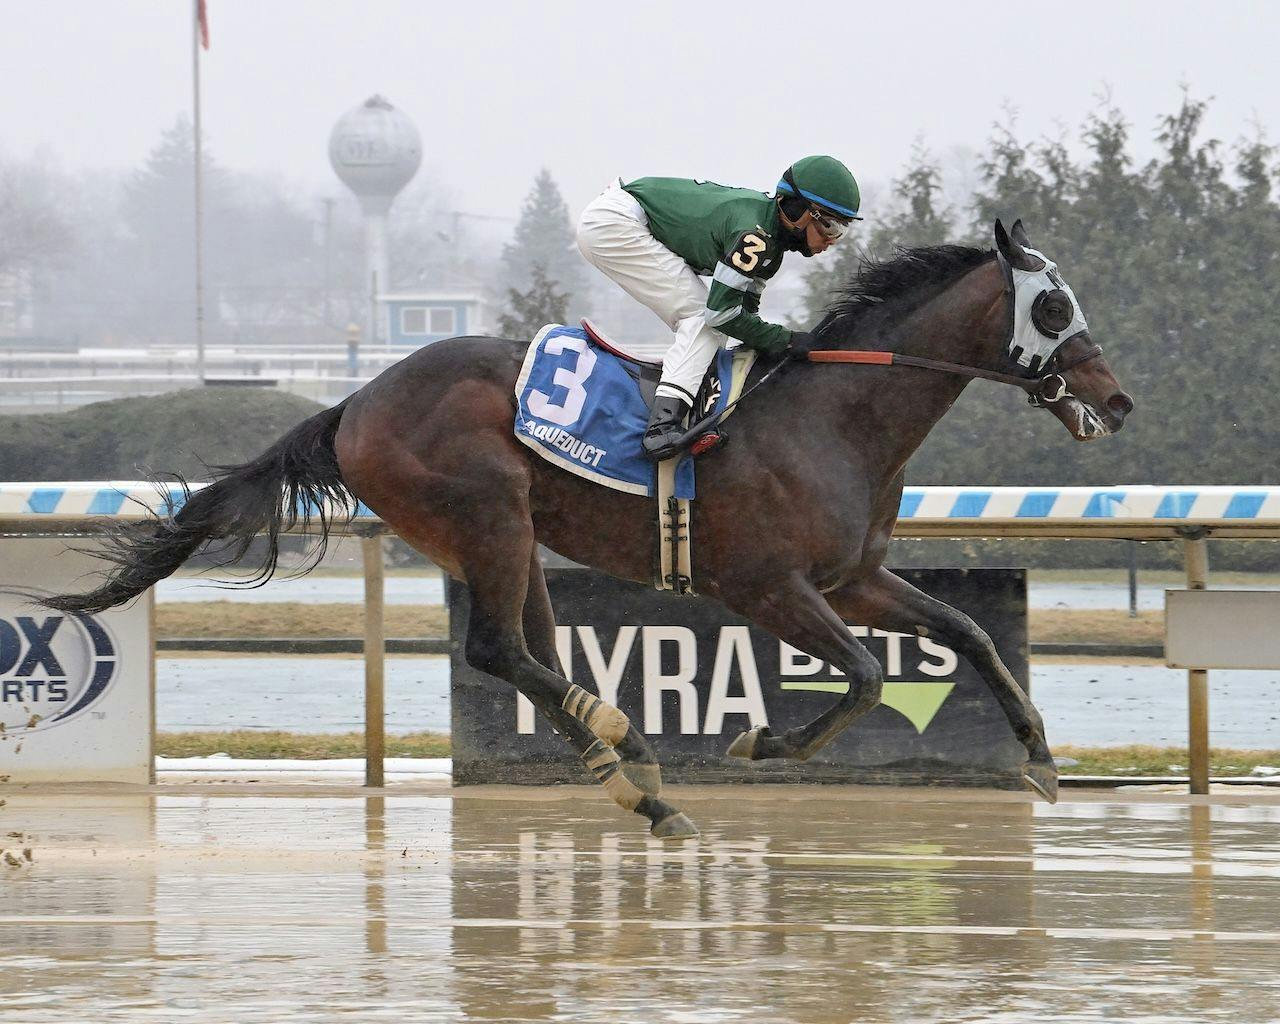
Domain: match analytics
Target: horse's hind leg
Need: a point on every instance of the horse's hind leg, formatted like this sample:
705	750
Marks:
496	645
796	613
889	602
639	763
491	542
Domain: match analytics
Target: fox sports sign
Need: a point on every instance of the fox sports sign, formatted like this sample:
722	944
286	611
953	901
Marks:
53	667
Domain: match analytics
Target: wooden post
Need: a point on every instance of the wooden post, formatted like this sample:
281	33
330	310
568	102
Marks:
150	598
1196	557
374	661
1133	579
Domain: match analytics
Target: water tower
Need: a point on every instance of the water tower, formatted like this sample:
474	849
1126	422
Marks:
376	150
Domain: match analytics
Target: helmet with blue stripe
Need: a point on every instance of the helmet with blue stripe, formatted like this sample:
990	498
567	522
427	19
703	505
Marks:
825	182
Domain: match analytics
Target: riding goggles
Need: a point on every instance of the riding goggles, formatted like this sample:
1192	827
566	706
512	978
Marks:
828	224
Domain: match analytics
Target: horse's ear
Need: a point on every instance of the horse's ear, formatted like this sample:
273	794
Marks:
1013	251
1019	234
1003	242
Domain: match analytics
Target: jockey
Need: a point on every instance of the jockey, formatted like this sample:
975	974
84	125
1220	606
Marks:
657	236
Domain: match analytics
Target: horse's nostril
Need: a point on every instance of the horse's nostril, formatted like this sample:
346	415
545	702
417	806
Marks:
1120	404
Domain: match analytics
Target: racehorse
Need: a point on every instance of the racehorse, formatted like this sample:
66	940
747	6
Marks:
790	526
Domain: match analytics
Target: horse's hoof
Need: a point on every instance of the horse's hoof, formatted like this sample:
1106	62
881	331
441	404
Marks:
746	743
1042	779
674	826
645	777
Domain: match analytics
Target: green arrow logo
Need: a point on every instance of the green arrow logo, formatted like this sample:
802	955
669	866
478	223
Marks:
917	701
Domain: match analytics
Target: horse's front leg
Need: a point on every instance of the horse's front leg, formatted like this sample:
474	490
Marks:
889	602
796	613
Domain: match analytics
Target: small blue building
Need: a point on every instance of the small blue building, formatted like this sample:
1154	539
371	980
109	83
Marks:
423	318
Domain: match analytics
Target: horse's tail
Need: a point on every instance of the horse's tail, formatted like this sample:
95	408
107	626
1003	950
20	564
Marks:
295	481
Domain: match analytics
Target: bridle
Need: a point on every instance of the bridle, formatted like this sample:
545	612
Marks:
1044	386
1042	390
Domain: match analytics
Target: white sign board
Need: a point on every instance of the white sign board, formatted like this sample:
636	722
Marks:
1222	629
76	691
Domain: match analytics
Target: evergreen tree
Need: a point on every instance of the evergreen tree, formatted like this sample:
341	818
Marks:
1249	255
914	217
1014	186
1172	264
529	311
262	258
159	213
544	237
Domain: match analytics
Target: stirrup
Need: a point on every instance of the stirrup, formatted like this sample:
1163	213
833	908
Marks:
709	442
665	432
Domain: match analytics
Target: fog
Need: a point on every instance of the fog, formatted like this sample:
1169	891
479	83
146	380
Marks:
500	91
732	93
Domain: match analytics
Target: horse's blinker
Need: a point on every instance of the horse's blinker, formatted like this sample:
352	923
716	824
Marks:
1046	314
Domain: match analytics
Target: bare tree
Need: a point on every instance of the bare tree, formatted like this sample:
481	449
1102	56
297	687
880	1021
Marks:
33	227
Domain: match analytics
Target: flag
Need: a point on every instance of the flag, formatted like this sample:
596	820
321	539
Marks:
202	17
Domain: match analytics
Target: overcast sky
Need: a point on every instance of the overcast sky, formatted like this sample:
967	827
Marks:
728	91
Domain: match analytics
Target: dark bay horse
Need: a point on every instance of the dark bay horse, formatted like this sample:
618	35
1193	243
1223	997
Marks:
790	527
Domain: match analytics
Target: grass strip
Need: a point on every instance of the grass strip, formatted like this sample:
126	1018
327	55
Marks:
1051	625
1138	759
296	619
260	745
264	745
292	619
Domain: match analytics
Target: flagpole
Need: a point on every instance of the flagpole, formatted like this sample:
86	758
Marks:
199	183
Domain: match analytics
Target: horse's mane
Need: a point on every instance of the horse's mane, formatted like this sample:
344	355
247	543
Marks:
907	279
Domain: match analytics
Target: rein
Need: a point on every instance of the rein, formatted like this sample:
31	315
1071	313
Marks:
1042	390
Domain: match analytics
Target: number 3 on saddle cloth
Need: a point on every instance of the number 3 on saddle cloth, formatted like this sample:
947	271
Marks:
584	406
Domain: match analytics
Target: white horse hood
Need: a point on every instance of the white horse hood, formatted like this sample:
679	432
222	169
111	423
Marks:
1029	346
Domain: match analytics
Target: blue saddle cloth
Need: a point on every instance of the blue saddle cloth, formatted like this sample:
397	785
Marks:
577	405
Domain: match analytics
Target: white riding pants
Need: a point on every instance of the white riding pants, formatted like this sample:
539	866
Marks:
613	234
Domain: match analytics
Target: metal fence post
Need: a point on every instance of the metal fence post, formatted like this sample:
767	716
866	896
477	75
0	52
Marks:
1196	557
374	661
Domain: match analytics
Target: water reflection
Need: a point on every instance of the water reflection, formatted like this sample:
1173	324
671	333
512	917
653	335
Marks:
794	907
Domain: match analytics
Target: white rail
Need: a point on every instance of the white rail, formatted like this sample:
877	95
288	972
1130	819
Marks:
1124	511
1189	514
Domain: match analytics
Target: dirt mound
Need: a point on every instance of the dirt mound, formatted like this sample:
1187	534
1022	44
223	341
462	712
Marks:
129	438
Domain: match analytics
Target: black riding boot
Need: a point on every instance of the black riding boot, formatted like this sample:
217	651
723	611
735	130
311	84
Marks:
666	426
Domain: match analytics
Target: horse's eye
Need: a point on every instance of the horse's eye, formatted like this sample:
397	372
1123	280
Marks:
1052	312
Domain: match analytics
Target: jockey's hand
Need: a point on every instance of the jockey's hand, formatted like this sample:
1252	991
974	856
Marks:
802	343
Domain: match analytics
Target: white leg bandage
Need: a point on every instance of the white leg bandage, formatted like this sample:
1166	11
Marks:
602	718
604	764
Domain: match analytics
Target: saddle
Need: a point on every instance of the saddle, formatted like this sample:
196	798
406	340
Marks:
647	373
582	402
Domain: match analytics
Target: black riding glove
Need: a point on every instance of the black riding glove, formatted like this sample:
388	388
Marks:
802	343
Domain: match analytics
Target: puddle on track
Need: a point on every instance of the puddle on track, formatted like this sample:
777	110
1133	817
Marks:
795	906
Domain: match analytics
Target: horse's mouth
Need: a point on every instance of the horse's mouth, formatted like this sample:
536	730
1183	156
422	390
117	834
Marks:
1084	422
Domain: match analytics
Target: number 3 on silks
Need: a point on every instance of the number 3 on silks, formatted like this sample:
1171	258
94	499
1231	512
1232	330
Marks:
565	413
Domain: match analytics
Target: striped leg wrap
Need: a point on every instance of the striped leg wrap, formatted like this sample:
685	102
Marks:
604	764
606	721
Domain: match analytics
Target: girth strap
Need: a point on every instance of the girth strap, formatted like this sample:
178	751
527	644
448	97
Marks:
675	557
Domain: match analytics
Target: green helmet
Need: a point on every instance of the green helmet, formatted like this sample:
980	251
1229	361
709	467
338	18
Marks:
823	180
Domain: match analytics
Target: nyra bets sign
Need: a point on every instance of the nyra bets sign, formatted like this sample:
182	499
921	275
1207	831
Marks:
75	690
692	677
